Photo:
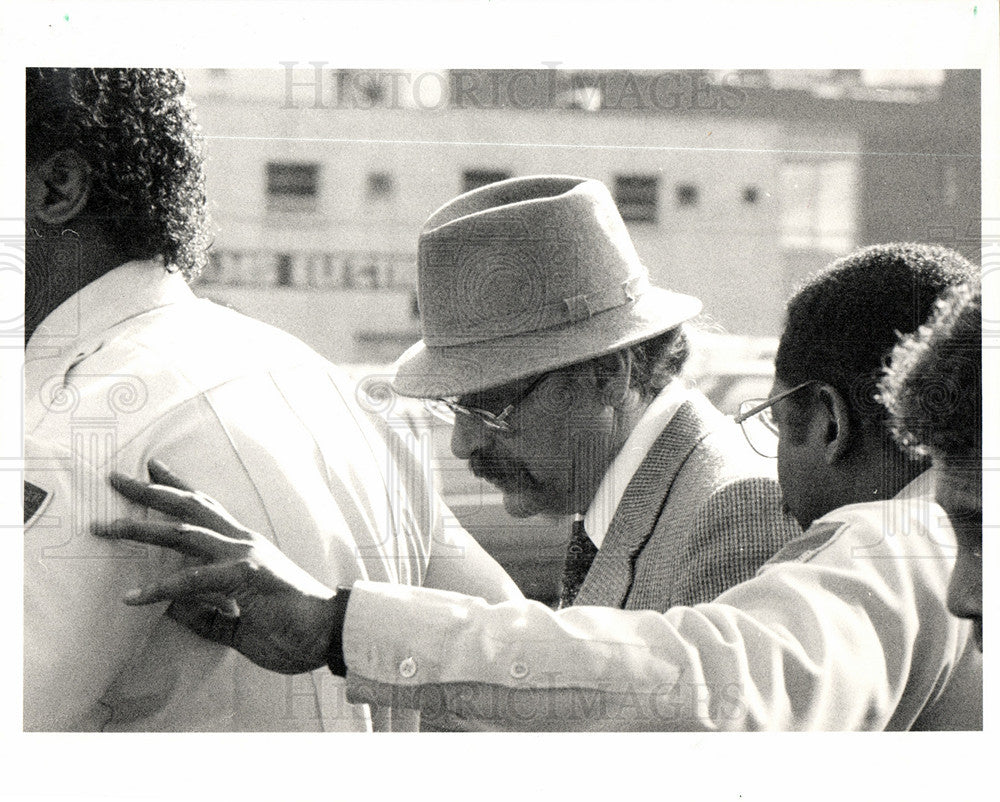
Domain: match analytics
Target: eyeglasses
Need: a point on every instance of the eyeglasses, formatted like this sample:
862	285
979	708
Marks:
756	418
447	408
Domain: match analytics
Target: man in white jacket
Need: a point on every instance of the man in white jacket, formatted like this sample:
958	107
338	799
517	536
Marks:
124	363
846	628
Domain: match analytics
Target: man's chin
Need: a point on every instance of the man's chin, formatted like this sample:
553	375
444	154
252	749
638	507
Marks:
517	506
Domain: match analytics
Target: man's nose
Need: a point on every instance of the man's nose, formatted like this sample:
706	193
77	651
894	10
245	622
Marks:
965	591
467	435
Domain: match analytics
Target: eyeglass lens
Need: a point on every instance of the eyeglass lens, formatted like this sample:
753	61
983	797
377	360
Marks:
760	430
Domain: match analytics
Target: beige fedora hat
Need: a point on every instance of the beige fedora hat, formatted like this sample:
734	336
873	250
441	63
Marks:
525	276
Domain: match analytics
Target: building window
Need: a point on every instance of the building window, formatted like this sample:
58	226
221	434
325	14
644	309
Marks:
381	185
818	200
687	195
637	197
474	179
292	186
283	275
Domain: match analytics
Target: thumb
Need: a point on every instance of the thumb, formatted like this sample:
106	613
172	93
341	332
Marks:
205	620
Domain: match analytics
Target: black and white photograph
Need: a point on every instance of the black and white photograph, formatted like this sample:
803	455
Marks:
534	389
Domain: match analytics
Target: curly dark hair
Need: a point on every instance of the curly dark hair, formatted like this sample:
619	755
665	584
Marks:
136	131
655	362
841	326
933	385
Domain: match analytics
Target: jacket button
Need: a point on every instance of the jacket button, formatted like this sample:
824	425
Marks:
519	670
408	667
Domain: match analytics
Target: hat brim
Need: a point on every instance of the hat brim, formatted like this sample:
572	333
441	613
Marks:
442	372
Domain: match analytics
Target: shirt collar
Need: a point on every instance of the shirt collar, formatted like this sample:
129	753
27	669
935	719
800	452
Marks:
121	293
623	467
74	329
922	485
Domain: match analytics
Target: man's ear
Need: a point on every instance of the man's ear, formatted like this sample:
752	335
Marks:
65	176
837	422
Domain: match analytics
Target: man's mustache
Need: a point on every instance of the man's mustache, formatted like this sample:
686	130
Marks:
499	471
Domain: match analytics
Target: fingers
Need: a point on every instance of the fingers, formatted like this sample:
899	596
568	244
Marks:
206	620
191	540
186	505
160	474
177	501
224	578
157	497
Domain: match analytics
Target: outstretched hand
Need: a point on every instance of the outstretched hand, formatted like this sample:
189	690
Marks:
262	604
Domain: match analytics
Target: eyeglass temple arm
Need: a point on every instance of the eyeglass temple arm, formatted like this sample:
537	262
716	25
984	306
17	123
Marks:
769	402
751	412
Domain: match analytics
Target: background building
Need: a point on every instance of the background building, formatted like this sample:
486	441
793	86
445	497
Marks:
734	185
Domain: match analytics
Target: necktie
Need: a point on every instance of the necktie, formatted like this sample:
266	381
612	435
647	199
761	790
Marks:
579	555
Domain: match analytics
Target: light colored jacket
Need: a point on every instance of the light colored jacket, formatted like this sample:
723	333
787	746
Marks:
135	366
845	629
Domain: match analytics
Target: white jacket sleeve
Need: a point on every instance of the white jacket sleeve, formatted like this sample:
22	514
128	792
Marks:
849	631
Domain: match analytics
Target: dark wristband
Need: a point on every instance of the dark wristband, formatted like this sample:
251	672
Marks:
335	654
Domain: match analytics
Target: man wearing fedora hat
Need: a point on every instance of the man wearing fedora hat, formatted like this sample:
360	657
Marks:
558	362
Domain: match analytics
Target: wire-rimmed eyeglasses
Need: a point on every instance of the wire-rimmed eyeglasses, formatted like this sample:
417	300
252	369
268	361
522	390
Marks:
447	408
756	419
